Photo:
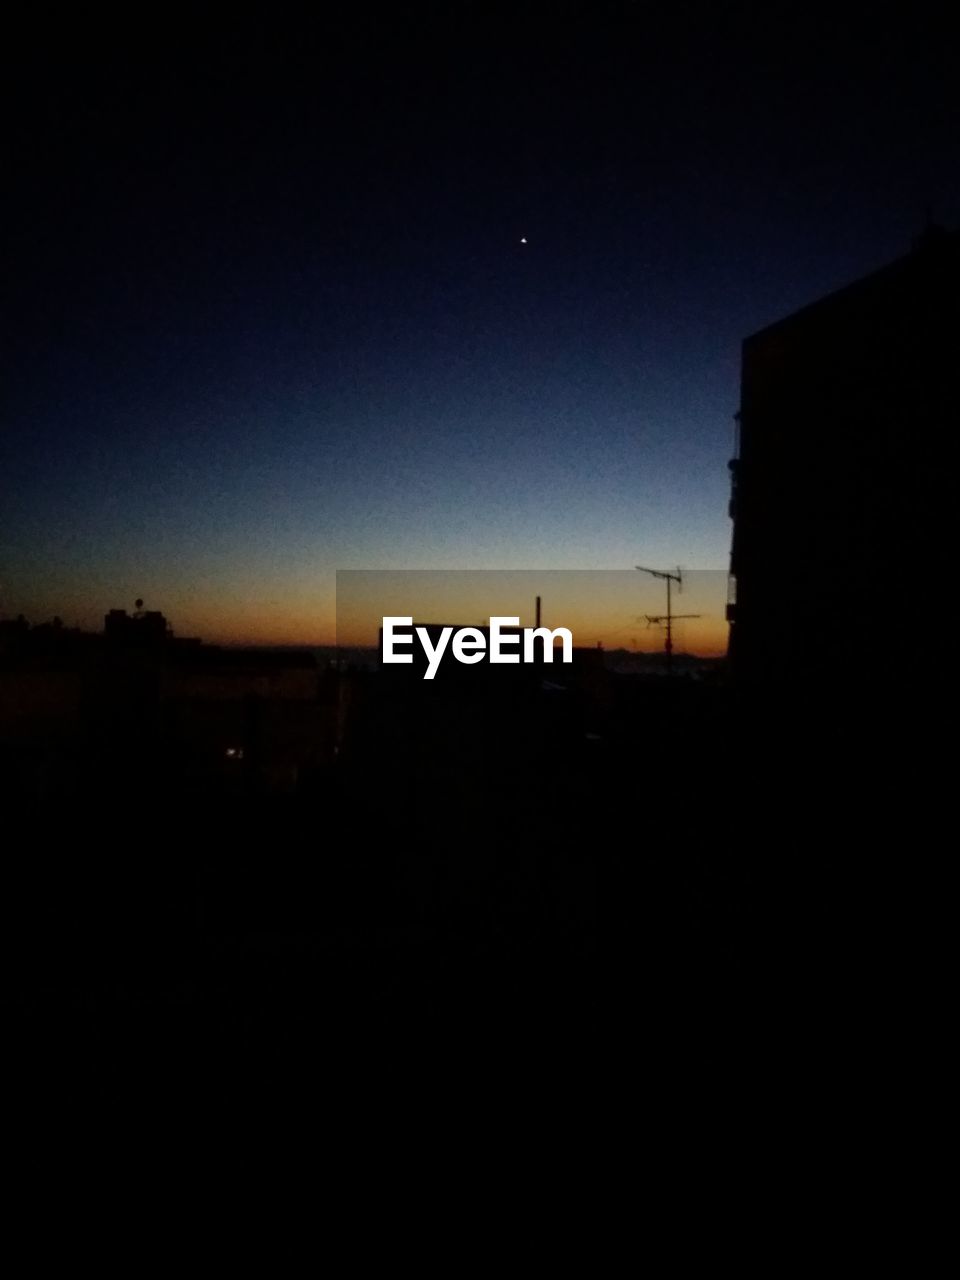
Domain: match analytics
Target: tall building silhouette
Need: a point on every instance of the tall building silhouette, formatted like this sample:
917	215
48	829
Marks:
842	487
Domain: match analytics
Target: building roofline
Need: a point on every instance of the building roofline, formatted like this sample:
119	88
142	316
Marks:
934	241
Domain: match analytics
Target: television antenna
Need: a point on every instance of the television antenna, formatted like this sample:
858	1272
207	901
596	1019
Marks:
667	619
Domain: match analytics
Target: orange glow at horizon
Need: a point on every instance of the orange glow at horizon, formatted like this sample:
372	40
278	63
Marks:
607	607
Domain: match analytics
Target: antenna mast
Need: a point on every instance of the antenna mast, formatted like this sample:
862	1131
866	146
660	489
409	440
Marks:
669	616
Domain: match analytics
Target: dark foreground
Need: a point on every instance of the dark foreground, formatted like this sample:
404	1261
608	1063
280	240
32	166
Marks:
446	929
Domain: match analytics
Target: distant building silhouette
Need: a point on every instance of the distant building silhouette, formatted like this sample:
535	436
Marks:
143	630
136	709
840	492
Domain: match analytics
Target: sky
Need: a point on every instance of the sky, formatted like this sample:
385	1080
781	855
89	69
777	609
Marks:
449	287
612	608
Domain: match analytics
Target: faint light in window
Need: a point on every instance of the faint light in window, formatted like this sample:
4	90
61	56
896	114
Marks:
234	753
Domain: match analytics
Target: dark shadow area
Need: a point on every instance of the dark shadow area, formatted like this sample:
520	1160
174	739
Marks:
239	866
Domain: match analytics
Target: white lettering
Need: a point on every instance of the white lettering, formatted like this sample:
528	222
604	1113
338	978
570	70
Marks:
548	637
433	654
389	640
469	643
497	639
469	638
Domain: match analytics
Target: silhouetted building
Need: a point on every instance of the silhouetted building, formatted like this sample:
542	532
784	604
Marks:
840	493
143	630
136	709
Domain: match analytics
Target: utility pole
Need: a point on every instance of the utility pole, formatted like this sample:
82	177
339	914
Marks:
669	616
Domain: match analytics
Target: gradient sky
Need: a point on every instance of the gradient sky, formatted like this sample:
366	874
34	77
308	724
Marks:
617	608
269	314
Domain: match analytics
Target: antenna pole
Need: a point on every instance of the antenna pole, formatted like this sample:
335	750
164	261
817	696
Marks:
670	578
